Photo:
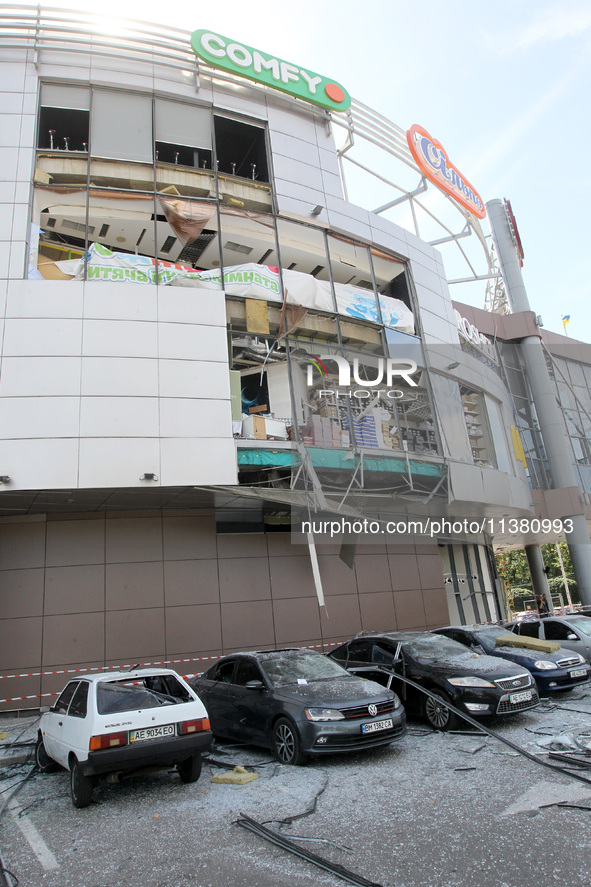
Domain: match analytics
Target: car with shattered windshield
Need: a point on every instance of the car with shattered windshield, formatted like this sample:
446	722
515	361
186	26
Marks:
553	667
120	723
297	703
479	685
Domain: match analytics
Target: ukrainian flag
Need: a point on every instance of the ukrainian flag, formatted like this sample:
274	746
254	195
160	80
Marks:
565	320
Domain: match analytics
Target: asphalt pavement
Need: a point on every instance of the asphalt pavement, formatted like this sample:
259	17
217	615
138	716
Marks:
432	810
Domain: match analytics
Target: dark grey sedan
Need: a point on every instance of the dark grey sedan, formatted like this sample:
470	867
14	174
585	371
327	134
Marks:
297	703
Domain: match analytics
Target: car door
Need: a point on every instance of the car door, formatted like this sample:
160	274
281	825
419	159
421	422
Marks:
215	694
353	656
75	735
54	723
414	671
567	635
251	715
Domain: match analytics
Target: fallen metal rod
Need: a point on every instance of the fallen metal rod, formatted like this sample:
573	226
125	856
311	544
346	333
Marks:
570	759
483	729
332	867
6	875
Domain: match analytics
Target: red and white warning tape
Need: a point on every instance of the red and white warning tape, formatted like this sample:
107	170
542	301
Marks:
35	674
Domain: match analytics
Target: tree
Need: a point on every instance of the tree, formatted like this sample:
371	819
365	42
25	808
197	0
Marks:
512	565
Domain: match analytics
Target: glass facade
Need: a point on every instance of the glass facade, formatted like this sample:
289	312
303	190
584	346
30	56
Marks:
573	391
526	420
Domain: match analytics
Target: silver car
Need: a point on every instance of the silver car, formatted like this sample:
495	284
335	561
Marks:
572	631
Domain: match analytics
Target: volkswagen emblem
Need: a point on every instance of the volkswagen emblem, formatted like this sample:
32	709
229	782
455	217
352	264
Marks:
372	709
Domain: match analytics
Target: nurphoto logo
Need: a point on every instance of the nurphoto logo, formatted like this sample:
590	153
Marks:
387	370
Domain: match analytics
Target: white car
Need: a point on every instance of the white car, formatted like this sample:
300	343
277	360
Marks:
121	722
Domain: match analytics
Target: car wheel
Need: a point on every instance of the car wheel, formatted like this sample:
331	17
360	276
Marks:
190	770
438	714
44	763
286	743
81	786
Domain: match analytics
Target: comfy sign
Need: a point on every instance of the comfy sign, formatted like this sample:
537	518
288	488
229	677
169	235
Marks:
221	52
434	162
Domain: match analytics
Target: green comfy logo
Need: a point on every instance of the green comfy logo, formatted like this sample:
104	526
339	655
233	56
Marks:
221	52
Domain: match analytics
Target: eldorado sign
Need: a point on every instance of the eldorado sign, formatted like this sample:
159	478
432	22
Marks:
433	161
221	52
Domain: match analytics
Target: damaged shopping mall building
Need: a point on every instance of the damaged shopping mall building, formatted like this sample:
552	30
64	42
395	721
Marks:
208	337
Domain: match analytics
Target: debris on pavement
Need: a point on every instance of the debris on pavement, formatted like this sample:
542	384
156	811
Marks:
237	776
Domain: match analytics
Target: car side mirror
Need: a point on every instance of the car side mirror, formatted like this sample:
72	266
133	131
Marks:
255	685
43	709
572	637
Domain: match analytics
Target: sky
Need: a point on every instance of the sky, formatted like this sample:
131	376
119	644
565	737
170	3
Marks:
505	88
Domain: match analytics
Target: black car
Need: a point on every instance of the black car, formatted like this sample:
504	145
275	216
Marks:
298	703
479	685
561	670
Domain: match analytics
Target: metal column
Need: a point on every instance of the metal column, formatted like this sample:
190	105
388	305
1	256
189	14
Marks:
550	417
537	571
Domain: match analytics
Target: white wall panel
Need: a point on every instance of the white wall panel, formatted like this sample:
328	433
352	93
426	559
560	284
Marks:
198	462
190	342
120	376
7	192
27	133
295	148
24	417
194	378
16	265
40	377
8	164
332	184
44	299
40	464
10	128
119	417
184	417
42	337
290	122
117	462
177	304
13	77
119	301
119	338
25	164
12	103
293	170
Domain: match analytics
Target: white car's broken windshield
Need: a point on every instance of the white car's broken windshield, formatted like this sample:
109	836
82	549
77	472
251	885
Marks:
117	697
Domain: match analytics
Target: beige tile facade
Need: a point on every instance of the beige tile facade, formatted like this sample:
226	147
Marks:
116	589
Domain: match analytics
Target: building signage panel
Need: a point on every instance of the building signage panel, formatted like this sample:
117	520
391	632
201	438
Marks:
237	58
434	163
471	334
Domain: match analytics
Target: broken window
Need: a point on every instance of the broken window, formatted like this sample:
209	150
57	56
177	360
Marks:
61	706
476	418
240	149
113	697
79	702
